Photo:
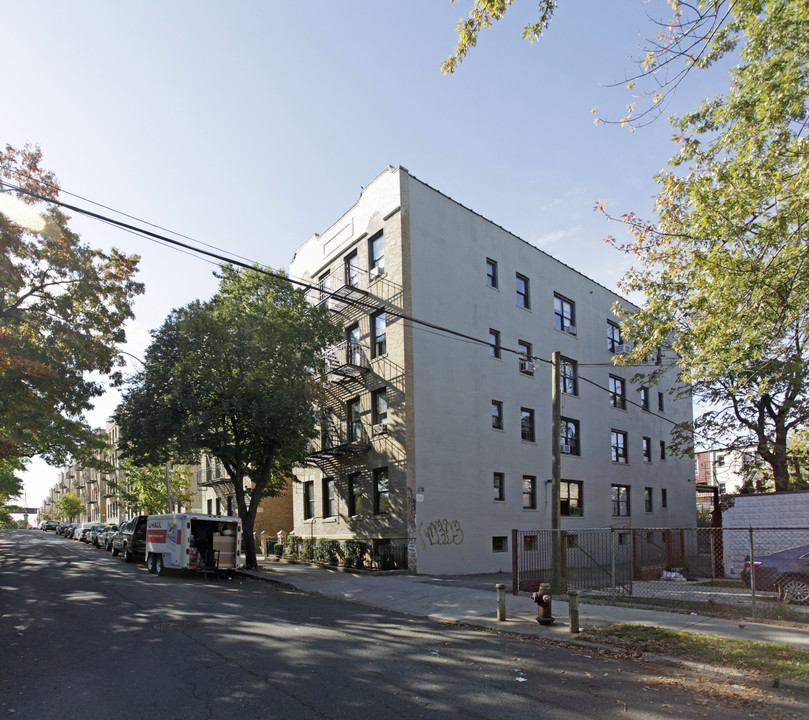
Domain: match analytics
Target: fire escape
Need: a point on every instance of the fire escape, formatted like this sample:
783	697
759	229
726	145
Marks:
351	293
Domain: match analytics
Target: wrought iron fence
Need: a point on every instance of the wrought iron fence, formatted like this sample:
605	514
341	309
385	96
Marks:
358	553
747	572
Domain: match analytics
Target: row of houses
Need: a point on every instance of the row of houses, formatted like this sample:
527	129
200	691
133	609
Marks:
436	433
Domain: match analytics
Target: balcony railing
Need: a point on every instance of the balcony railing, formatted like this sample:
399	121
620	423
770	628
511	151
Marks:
346	360
347	439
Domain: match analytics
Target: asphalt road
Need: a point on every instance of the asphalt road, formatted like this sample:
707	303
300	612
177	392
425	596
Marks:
86	635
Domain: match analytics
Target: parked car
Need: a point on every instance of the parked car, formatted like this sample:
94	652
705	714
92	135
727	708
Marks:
71	529
82	531
48	525
130	540
104	538
61	528
94	534
786	572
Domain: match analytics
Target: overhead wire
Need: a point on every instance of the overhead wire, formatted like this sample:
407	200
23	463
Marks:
246	263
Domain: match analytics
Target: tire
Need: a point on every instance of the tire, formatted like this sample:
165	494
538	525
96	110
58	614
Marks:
793	589
114	550
150	563
160	568
127	553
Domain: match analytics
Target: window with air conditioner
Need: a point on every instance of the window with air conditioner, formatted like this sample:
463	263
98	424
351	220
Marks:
564	314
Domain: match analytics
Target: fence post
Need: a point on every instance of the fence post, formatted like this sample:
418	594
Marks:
515	567
752	577
612	564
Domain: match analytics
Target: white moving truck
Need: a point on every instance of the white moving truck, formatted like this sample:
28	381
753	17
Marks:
192	541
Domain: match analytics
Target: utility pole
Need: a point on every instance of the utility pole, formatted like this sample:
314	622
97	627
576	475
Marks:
556	474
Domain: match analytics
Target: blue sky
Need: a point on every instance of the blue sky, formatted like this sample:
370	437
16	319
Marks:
250	126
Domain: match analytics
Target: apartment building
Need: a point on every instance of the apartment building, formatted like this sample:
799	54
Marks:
437	427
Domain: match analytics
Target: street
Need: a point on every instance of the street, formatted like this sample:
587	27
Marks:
88	635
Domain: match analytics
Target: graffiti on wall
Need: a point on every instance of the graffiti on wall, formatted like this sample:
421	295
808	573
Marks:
441	532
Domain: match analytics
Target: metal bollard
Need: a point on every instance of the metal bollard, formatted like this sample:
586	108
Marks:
501	602
573	612
543	599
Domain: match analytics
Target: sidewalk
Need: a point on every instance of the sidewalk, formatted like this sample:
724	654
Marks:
473	600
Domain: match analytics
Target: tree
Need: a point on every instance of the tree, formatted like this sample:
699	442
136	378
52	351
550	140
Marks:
144	486
725	268
70	505
62	309
233	378
11	487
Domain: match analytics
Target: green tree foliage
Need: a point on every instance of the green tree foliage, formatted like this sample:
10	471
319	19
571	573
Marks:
11	487
144	487
62	309
725	267
70	506
232	378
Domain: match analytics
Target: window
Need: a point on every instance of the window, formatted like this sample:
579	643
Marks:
648	505
499	483
644	398
354	494
523	292
720	461
570	376
354	433
660	403
570	436
613	337
529	543
376	255
664	497
308	501
329	508
617	392
500	544
351	266
381	491
564	312
571	498
323	286
618	446
497	415
620	501
529	492
527	424
380	411
380	323
491	273
525	357
494	343
647	450
662	449
353	347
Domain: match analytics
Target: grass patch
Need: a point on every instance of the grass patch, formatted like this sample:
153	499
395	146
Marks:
771	659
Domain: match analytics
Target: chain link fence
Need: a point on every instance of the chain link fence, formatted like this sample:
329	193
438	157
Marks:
749	572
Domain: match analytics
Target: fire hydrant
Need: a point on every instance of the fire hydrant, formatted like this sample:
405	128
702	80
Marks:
543	600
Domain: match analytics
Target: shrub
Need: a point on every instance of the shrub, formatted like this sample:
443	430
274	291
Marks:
354	552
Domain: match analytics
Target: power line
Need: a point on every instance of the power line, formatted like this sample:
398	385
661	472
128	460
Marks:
257	267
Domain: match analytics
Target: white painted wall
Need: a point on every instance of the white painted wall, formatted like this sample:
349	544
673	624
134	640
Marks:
457	451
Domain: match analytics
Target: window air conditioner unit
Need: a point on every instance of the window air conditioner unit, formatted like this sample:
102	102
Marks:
526	366
571	329
621	348
376	271
380	428
566	449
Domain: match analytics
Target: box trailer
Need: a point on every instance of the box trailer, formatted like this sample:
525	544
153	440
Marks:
192	541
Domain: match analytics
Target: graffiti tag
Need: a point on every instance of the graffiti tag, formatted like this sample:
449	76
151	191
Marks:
443	532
